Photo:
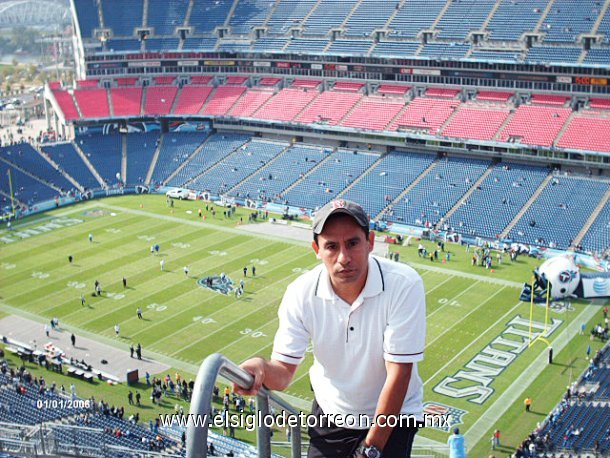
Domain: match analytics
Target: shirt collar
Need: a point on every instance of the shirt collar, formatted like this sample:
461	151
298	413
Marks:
375	282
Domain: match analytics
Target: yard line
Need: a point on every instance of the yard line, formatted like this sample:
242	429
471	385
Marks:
232	323
221	309
182	310
465	316
207	225
71	276
451	300
172	362
456	273
130	304
247	335
440	284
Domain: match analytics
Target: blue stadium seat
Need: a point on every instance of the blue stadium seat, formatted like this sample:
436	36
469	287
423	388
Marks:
68	158
390	176
87	13
235	167
123	25
164	16
140	150
104	153
332	176
560	211
216	148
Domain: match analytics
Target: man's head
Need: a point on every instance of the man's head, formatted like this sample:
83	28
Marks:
343	242
339	206
456	431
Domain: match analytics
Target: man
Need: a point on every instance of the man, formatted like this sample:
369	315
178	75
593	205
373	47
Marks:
457	446
139	313
366	318
117	329
124	282
73	339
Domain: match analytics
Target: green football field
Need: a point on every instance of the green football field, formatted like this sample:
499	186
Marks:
478	366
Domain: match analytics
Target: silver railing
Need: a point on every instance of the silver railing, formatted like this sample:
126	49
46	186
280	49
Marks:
201	406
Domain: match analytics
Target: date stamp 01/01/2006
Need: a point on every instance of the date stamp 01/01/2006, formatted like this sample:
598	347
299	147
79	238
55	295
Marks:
59	403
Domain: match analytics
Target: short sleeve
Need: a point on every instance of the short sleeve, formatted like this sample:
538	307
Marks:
292	337
405	334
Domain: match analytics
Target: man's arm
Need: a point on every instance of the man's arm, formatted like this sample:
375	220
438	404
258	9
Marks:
390	401
275	375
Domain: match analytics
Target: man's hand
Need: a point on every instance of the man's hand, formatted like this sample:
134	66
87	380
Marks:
274	374
256	368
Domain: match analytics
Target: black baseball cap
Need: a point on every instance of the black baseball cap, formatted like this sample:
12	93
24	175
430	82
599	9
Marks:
340	206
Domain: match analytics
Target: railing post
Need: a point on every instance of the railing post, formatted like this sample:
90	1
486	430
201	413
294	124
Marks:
263	433
197	437
295	441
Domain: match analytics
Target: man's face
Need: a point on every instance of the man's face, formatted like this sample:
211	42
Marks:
344	249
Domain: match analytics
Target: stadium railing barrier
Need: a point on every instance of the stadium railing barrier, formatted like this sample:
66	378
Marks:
213	366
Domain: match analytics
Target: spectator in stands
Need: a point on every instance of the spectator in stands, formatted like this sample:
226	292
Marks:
373	382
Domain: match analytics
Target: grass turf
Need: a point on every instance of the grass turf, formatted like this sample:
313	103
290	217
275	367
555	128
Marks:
467	306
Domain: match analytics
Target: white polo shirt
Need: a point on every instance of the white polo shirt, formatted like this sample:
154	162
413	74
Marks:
351	343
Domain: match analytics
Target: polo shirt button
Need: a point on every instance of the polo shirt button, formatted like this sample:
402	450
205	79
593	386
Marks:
351	328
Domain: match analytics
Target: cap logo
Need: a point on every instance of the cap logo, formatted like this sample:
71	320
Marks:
340	203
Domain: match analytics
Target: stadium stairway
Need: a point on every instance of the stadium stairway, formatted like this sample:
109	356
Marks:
269	15
320	164
262	107
436	21
257	171
205	104
181	166
467	194
306	18
504	124
56	166
602	14
406	190
153	162
492	13
92	169
110	105
145	14
350	111
527	205
143	101
124	158
176	98
80	113
564	127
543	16
31	175
399	6
345	21
362	175
448	120
213	166
600	206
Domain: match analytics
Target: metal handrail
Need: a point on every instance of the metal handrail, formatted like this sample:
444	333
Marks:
197	435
